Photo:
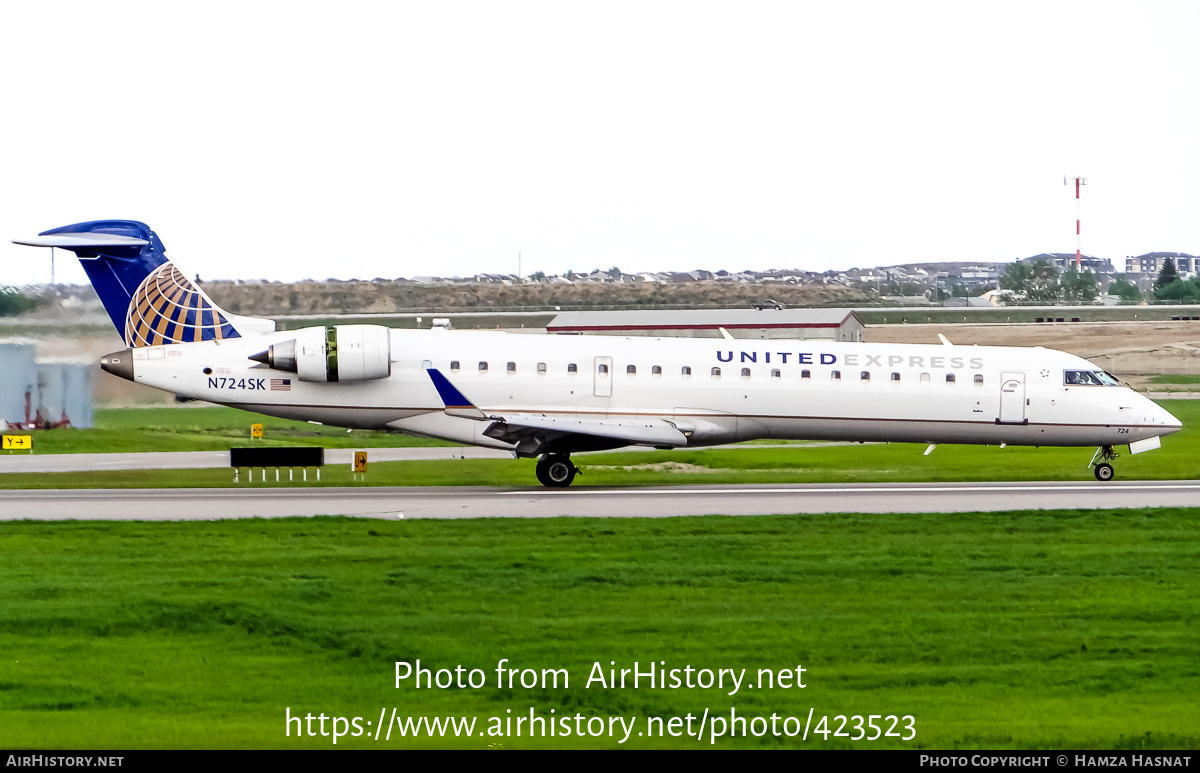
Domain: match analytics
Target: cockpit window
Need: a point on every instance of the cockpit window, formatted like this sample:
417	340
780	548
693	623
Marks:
1089	378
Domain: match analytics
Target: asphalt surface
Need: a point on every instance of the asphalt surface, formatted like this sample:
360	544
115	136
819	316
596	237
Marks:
651	502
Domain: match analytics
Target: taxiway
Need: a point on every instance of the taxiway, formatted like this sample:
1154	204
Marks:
647	502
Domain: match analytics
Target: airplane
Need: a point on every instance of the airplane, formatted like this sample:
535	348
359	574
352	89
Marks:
548	397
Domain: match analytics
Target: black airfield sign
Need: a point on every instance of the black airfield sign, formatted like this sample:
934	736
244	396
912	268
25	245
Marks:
287	456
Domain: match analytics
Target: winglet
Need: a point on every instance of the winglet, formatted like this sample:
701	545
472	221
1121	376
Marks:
456	402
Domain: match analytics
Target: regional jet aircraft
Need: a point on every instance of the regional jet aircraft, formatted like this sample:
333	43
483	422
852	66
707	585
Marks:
547	397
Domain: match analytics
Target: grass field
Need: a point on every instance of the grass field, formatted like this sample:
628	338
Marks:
1005	630
1179	458
202	428
1189	382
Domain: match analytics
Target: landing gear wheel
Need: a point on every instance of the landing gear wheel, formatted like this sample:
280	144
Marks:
555	471
1100	460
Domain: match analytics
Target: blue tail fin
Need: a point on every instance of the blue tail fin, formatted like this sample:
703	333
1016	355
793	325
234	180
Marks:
149	300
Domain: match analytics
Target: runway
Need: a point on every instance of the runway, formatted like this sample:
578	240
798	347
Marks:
650	502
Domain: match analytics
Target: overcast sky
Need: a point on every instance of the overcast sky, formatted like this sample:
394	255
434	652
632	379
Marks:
293	140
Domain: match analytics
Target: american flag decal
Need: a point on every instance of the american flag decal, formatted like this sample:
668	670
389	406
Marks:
281	385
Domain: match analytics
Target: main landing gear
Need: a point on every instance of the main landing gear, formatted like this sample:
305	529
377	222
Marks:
556	470
1103	470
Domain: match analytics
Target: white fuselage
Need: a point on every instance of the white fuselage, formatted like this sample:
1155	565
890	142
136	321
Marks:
714	391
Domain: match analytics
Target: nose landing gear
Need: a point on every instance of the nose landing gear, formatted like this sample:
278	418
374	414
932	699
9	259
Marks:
1103	470
556	470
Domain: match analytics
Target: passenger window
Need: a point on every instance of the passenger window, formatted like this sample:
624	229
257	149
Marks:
716	372
686	372
835	375
453	365
512	367
631	370
745	373
656	370
978	379
775	373
603	369
865	375
572	368
924	378
483	367
949	378
896	377
805	374
541	368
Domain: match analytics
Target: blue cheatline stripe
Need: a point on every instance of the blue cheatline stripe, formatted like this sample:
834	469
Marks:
450	396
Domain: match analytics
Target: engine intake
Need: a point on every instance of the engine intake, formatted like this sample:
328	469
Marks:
333	353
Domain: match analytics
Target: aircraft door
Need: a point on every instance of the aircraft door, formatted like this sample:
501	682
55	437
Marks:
1012	398
602	375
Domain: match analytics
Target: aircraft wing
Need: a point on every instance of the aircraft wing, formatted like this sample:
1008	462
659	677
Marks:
533	431
516	427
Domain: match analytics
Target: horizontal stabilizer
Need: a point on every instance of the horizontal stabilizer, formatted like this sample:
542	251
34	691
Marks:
81	241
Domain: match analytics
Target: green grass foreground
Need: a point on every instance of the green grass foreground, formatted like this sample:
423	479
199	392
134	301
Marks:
1062	629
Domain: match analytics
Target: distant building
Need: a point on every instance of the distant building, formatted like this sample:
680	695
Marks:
969	277
821	324
1064	260
1152	262
18	382
38	394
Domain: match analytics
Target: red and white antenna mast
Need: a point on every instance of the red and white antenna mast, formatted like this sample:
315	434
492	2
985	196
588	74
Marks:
1079	183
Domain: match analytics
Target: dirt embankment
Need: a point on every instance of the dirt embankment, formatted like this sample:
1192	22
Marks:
385	297
1132	350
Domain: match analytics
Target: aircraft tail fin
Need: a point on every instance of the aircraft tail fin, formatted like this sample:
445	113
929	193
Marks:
149	300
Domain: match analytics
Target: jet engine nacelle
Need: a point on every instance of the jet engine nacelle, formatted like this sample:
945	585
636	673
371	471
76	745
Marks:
333	353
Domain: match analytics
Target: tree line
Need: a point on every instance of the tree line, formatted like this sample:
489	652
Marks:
1169	287
13	301
1039	281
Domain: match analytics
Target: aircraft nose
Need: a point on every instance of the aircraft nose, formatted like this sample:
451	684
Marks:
1163	418
119	364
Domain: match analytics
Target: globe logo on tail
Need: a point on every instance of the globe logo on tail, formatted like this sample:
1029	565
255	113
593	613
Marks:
168	309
